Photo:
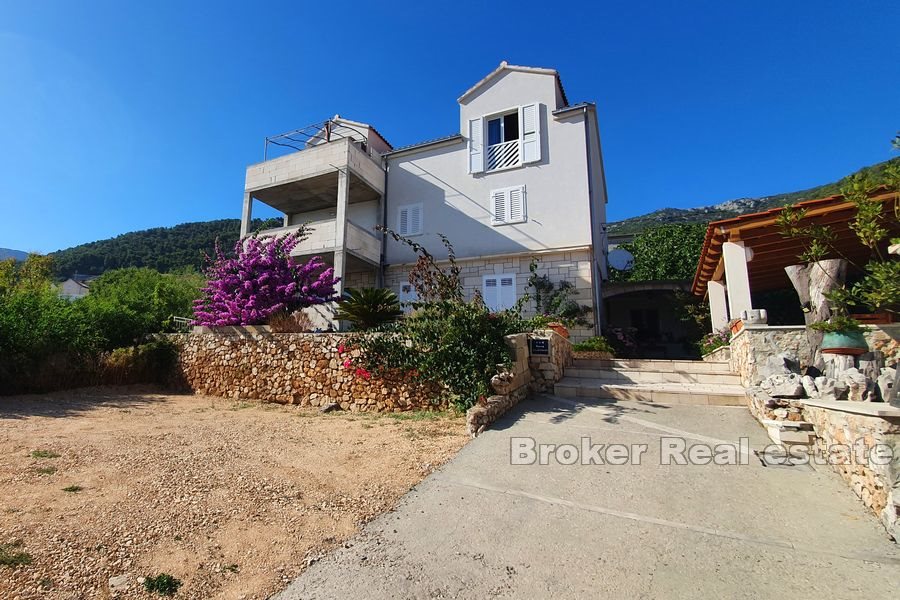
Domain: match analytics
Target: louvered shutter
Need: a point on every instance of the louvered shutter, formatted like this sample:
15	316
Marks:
530	132
415	219
499	206
409	219
490	292
476	145
507	291
516	199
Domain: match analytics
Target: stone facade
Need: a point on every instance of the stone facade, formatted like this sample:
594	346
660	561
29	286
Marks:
752	345
291	368
573	266
527	374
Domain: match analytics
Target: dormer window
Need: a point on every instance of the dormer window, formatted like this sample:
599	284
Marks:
505	140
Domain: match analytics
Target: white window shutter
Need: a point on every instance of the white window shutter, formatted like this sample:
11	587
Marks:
403	220
530	132
409	219
499	206
507	291
516	201
490	292
476	145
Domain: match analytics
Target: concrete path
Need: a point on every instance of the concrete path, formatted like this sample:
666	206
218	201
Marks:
483	528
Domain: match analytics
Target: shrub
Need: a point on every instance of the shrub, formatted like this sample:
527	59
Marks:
260	281
554	302
153	362
448	341
713	341
367	308
624	340
594	344
11	555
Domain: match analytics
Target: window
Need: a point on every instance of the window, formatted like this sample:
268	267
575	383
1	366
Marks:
505	140
499	291
508	205
409	219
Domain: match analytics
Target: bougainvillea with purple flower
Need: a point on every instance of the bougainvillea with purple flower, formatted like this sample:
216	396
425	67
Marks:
262	279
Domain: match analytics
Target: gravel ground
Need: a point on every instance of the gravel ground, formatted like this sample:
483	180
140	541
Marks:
232	498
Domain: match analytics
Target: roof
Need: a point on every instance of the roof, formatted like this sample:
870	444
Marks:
447	138
772	251
505	66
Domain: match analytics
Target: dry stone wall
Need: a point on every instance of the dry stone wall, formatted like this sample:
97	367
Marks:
527	374
307	369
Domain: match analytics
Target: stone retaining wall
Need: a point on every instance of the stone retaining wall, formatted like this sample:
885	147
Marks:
291	368
721	354
877	485
527	374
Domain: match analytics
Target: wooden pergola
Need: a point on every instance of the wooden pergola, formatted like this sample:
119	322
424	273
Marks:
749	252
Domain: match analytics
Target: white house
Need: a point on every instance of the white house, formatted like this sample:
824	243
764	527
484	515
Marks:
522	178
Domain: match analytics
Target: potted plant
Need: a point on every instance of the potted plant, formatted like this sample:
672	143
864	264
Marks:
841	335
559	328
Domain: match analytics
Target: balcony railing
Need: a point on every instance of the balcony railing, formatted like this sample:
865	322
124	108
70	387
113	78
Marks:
314	135
503	155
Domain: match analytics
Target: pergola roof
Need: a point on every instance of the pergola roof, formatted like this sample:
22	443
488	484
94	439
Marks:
772	251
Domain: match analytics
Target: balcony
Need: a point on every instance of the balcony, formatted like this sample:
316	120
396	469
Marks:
322	240
504	155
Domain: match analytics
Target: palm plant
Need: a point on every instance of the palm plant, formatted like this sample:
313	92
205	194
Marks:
367	308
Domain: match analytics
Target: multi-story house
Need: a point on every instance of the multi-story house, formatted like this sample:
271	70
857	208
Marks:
523	178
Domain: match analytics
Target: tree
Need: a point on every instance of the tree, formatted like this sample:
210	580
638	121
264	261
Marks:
664	252
262	280
129	304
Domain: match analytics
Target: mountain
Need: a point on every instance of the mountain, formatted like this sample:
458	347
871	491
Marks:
6	253
162	248
741	206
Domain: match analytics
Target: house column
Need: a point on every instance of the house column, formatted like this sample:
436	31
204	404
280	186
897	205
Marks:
247	214
718	305
340	226
736	276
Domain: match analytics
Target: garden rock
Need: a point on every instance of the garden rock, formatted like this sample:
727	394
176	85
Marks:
809	386
330	407
783	386
830	389
858	385
117	583
885	382
781	364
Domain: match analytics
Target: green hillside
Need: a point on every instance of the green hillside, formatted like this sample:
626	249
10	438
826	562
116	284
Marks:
162	248
733	208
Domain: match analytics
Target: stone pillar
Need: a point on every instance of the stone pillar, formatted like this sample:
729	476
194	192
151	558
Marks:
247	215
718	305
736	277
340	226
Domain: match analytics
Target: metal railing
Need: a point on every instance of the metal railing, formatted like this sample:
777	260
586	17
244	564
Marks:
313	135
505	154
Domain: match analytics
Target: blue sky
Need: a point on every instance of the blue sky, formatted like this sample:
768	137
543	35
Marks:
118	116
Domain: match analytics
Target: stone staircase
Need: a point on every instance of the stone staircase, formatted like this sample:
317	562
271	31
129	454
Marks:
658	381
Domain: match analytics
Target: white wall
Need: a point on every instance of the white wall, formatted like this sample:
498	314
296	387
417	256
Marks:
457	203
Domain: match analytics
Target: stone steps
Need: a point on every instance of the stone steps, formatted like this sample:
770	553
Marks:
657	381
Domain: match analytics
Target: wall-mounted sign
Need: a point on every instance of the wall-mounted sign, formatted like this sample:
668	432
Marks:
540	346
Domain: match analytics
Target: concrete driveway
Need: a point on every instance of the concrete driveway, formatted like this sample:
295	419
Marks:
484	528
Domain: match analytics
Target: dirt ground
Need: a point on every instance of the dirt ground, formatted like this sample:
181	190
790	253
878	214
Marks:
232	498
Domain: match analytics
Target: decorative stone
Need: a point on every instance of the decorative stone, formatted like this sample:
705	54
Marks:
783	386
857	385
809	386
885	383
830	389
781	364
